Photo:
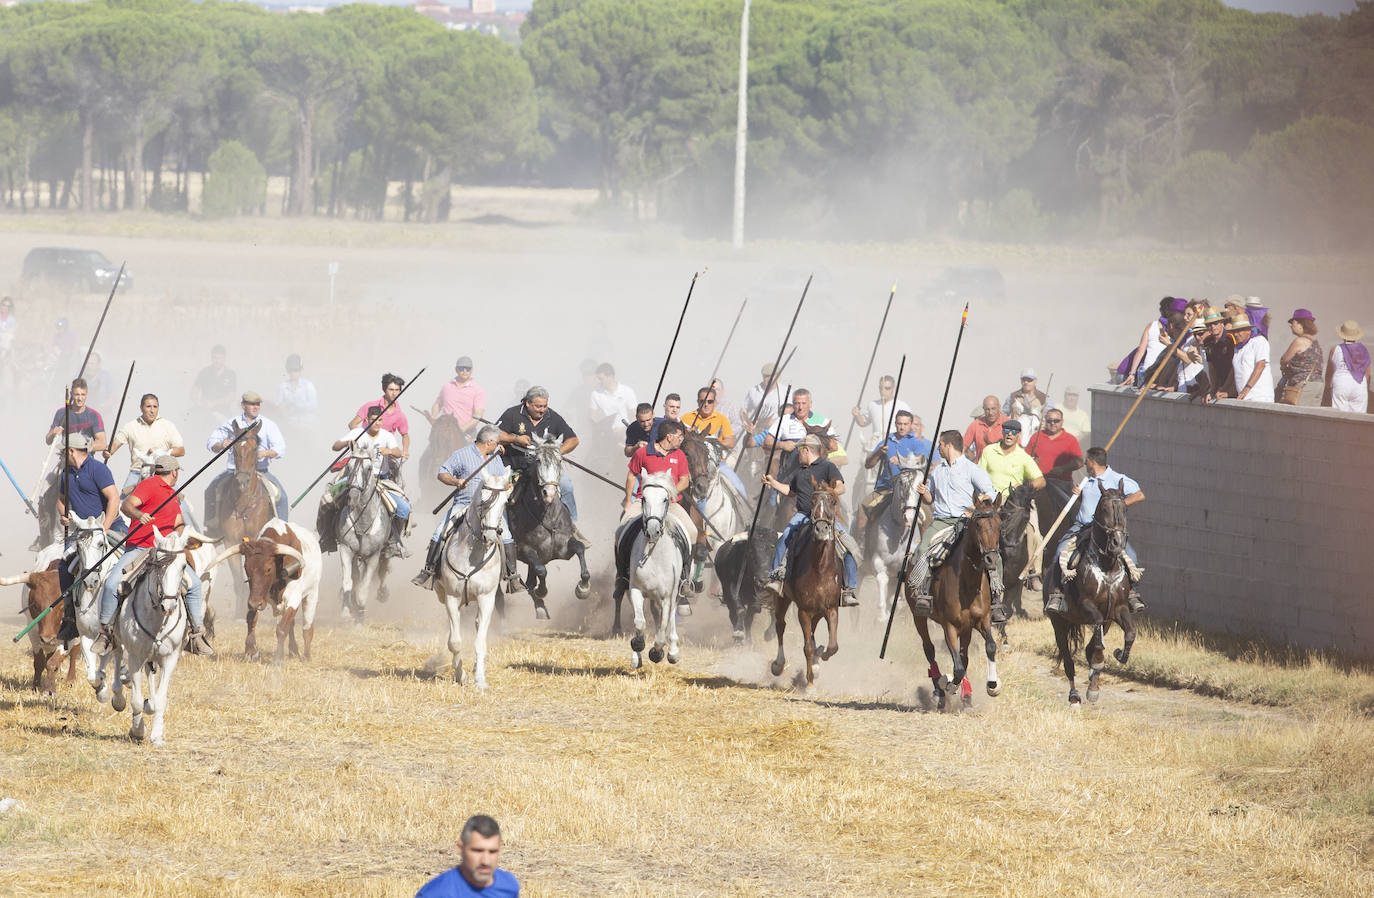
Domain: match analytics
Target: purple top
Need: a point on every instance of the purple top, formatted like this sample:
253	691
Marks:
1356	359
1256	315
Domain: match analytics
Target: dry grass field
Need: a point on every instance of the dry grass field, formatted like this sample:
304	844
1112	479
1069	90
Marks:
350	775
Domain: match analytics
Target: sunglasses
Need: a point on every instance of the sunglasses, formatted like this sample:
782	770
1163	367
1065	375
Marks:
464	367
1054	420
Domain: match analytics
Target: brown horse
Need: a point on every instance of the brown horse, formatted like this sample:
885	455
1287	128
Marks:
445	438
962	597
812	583
1097	596
245	506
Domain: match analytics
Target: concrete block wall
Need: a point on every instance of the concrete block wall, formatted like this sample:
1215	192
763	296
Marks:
1258	518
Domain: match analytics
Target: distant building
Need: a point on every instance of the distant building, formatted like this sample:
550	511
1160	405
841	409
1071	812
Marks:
475	15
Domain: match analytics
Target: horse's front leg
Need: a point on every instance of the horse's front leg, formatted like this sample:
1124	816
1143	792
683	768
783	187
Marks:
808	623
928	646
881	575
1061	641
250	642
539	588
584	584
346	580
486	606
1097	658
670	623
952	644
832	629
990	647
779	625
965	687
637	641
453	609
1127	623
136	685
164	682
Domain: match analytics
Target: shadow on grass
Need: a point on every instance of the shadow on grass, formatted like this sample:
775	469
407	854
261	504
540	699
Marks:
859	705
564	670
397	673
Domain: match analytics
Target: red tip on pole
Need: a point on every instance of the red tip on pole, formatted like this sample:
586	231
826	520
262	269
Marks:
965	320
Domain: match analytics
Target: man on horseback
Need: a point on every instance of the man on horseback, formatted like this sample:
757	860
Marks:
1007	464
148	436
1089	492
90	493
954	484
394	421
462	398
669	458
458	472
271	444
763	402
82	418
708	420
804	421
904	441
813	469
531	418
639	432
384	445
139	507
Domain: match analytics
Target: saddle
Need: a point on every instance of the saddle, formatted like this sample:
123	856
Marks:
942	543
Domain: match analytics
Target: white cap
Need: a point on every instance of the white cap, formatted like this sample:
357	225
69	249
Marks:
1028	373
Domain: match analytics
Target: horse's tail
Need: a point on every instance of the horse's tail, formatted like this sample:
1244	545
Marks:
1077	637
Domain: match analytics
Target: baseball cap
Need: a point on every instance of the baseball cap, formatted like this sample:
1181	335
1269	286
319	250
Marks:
1028	374
166	464
464	361
811	441
79	441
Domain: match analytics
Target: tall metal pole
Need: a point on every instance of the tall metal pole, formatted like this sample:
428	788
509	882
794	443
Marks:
728	338
119	277
741	129
869	370
925	478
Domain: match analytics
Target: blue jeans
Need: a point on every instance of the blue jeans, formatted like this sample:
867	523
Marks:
1072	534
565	492
195	595
851	567
458	507
729	474
402	506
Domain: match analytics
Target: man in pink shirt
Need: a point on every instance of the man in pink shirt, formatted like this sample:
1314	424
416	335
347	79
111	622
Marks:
985	429
394	420
462	398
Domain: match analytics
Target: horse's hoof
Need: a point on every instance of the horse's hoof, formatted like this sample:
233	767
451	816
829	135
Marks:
481	685
739	637
777	668
147	706
1092	695
582	590
136	734
541	591
942	684
698	586
655	654
158	742
636	662
637	644
940	701
1074	698
253	657
118	702
458	674
994	688
541	613
966	701
1120	656
673	657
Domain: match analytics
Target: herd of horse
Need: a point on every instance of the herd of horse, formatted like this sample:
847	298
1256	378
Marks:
281	564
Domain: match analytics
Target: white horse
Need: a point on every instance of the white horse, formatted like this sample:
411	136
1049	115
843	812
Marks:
470	570
91	542
362	528
888	533
151	628
656	568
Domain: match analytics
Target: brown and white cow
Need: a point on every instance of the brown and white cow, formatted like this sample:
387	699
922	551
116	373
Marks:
283	566
41	588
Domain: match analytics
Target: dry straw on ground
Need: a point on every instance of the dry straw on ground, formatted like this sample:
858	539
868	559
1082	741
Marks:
351	776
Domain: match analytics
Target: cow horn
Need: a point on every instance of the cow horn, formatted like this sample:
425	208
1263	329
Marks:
16	580
289	553
221	557
192	533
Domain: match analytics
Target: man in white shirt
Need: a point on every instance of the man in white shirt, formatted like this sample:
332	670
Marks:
271	445
610	407
379	444
761	403
1254	380
148	436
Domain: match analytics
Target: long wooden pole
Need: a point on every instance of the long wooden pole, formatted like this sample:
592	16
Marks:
673	345
119	277
728	338
869	370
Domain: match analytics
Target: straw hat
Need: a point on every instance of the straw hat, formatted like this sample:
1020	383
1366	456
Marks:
1235	299
1239	323
1350	331
1213	315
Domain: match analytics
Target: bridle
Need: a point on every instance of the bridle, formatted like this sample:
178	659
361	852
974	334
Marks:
652	533
152	575
988	563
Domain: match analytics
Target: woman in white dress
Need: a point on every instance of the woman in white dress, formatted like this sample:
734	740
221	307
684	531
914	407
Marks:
1347	386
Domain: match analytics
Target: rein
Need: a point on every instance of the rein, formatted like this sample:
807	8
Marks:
151	567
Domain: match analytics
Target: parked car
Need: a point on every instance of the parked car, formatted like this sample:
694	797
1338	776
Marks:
73	269
966	282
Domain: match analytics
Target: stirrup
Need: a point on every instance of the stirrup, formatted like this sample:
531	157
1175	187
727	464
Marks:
580	537
848	599
1055	604
922	605
998	612
197	644
104	643
425	578
1133	600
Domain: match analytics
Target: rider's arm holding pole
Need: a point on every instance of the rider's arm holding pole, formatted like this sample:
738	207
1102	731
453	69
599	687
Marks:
568	445
782	488
876	455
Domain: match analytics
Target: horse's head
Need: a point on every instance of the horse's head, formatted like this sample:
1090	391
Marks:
548	466
985	525
165	566
360	472
488	507
1016	512
245	456
905	493
1109	522
92	543
703	460
656	495
824	500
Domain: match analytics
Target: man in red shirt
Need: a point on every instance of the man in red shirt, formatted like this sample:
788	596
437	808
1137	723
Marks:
1056	450
985	429
669	458
147	507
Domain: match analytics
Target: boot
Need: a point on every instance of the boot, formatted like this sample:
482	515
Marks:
922	602
508	559
1055	604
775	576
577	535
104	644
847	598
684	605
425	578
394	548
197	644
1134	601
998	611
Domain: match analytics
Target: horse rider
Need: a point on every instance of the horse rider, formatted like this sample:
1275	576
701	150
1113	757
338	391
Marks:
90	493
384	445
271	444
77	417
148	436
707	419
813	468
670	458
393	420
458	472
639	431
1027	399
215	385
609	406
985	428
872	420
799	423
763	402
532	417
904	441
954	484
1089	492
462	398
142	509
1008	466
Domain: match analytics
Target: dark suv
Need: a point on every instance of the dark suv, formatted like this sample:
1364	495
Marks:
73	269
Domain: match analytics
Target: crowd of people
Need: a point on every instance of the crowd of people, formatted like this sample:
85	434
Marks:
1215	353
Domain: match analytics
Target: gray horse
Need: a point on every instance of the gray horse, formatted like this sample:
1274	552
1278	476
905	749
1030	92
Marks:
361	529
152	626
886	538
541	525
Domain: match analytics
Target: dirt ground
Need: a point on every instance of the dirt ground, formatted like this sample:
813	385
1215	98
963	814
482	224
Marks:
352	774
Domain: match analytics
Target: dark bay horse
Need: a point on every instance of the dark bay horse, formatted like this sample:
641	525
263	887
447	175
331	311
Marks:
814	576
445	437
541	525
246	505
963	602
1097	596
1015	548
742	568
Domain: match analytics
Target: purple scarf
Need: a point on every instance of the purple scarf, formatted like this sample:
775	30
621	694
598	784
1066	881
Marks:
1356	359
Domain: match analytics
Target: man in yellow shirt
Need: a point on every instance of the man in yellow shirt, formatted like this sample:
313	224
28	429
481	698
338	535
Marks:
707	420
1008	466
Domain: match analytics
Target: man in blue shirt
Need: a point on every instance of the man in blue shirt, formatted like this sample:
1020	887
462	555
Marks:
479	848
1089	492
904	442
90	493
954	484
458	472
